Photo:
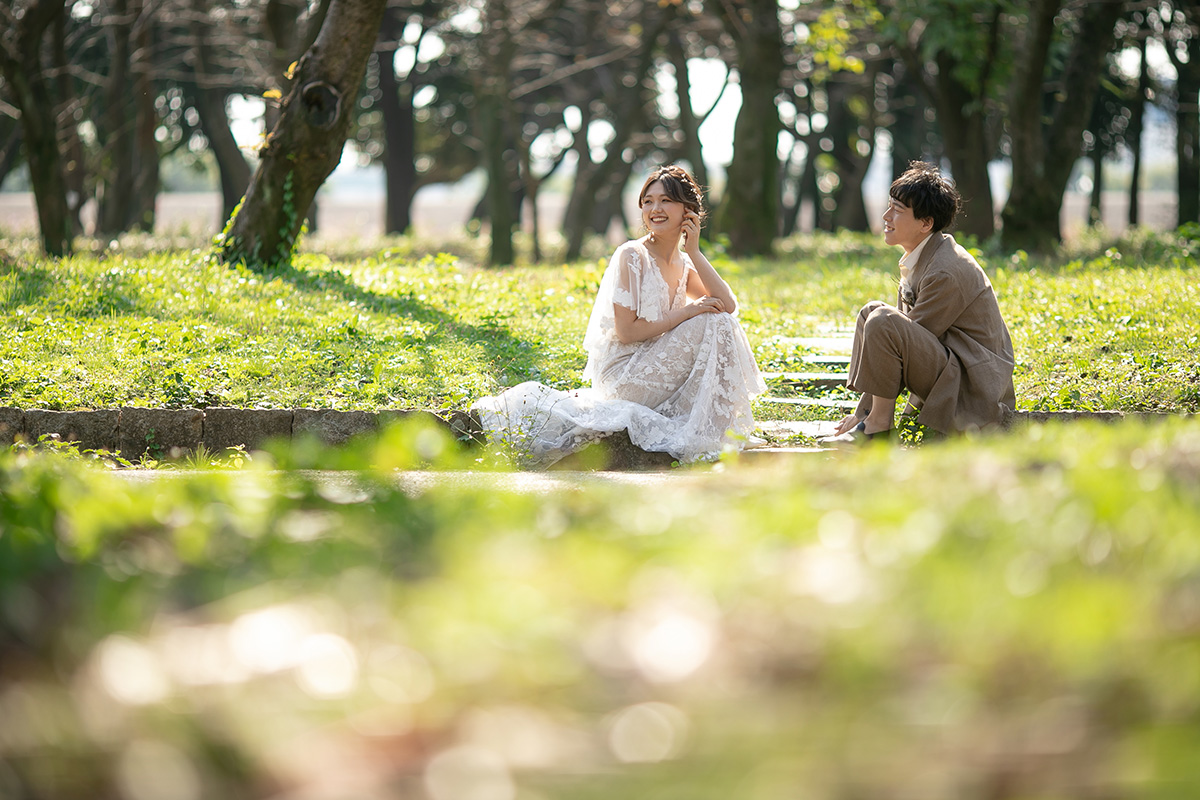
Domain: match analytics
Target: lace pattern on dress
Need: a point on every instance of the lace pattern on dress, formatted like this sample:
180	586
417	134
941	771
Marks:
686	392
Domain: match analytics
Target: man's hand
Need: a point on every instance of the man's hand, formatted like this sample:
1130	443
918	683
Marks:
847	424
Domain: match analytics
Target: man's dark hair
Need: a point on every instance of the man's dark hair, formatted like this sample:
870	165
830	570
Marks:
930	196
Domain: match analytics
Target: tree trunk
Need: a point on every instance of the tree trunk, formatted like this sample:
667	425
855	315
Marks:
747	214
114	213
963	123
306	144
580	205
850	211
146	161
232	168
499	168
20	59
1043	156
610	194
9	152
1187	126
1095	212
1133	135
71	148
400	133
789	212
288	39
909	129
209	99
493	124
689	126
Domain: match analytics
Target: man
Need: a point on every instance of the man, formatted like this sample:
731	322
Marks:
945	342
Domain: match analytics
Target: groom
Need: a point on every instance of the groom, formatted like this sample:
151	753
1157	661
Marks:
944	341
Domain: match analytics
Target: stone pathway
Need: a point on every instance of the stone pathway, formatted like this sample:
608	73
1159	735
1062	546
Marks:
807	389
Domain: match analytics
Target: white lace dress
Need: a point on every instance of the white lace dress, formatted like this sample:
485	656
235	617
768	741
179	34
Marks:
686	392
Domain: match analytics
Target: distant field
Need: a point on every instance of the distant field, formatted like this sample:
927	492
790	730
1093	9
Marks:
439	211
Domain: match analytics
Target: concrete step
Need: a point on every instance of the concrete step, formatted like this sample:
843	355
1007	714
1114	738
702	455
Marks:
809	380
823	344
783	429
826	360
848	405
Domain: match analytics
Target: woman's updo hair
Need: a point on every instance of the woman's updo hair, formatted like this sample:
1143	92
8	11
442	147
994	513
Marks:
679	185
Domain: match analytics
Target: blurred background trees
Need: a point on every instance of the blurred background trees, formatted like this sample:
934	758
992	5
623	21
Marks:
584	96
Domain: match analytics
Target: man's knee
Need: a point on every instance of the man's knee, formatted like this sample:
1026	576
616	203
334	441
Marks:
870	308
881	318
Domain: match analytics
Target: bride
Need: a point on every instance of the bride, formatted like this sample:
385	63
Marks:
667	359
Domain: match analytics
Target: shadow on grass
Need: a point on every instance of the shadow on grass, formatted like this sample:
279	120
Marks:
194	371
503	349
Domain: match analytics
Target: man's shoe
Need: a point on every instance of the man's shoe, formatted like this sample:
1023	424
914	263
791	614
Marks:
855	437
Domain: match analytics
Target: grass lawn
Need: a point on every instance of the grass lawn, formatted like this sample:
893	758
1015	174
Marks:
1107	328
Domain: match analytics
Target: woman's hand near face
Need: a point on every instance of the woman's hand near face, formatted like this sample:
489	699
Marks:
691	232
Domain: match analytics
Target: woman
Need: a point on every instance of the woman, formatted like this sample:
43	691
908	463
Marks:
667	358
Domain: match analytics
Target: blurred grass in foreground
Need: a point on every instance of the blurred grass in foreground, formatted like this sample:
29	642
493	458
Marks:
1008	617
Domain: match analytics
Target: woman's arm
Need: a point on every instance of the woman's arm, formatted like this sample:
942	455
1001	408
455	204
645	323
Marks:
710	284
631	328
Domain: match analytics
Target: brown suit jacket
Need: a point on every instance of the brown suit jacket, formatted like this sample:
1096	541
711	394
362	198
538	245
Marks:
953	299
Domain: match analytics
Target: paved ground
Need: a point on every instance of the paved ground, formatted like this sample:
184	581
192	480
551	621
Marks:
345	485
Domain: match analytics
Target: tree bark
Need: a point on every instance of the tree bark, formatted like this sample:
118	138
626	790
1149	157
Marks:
1095	212
494	126
909	128
114	213
963	118
747	213
850	212
306	144
146	156
1044	155
9	152
71	148
1134	135
400	132
689	125
20	59
580	203
1187	121
209	97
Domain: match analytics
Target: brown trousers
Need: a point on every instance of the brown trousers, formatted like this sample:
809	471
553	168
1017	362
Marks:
892	353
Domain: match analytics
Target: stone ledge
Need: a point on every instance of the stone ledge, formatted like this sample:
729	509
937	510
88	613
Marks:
133	431
250	428
162	431
91	430
12	425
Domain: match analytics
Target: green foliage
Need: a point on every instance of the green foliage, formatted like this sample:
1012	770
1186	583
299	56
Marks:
841	622
834	36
